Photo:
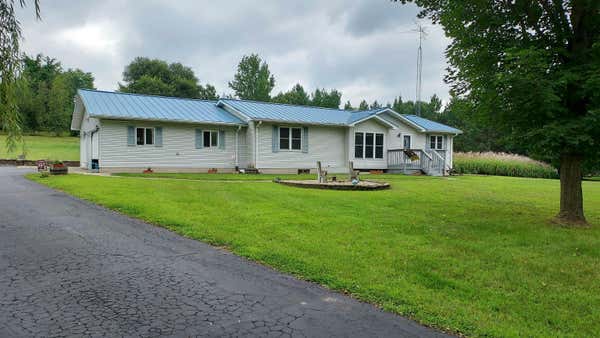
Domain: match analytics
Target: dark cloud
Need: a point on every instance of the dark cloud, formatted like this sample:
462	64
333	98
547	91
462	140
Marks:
364	48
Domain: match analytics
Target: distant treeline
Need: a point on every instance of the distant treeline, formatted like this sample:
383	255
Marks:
46	91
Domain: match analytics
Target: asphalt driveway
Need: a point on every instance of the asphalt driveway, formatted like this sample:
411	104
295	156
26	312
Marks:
70	268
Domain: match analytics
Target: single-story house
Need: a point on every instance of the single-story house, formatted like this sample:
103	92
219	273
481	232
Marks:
123	132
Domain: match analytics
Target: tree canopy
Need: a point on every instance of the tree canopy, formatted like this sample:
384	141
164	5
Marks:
533	67
157	77
45	93
253	80
297	95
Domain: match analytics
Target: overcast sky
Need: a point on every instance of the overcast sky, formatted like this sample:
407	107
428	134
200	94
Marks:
363	48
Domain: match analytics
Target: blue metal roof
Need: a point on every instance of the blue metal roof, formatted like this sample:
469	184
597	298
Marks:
114	105
304	114
293	113
431	126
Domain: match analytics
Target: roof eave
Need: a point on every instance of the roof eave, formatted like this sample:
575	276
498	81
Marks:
78	111
125	118
374	116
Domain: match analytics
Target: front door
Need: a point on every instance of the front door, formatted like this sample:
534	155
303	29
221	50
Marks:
407	141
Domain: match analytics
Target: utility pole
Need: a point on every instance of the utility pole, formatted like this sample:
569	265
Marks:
422	34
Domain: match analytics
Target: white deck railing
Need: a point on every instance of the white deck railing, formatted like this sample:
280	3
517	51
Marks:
428	161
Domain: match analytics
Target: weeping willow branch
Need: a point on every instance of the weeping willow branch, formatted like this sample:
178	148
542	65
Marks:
10	37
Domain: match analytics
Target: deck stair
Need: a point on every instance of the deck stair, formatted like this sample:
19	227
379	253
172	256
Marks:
409	161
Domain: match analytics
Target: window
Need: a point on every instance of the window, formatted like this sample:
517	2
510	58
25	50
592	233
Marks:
358	145
149	135
378	145
436	142
144	136
368	145
290	138
407	142
210	138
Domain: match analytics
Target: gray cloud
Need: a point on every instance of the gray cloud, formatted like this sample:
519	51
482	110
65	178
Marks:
362	47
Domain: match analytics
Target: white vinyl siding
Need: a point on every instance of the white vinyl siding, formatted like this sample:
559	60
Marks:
178	147
325	144
88	146
395	136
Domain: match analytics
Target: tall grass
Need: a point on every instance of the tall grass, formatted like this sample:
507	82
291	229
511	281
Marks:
502	164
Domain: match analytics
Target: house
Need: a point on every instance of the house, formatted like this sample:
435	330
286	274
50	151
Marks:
130	132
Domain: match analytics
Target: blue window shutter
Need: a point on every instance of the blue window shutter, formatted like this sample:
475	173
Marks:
445	142
221	139
199	139
275	139
427	141
158	137
305	139
130	135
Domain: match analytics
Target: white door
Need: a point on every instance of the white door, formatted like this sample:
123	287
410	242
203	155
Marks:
94	149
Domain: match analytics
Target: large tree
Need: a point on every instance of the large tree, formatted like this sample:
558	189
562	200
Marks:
297	95
60	105
10	38
253	80
534	67
157	77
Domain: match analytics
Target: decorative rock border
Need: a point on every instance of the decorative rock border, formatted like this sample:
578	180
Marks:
340	185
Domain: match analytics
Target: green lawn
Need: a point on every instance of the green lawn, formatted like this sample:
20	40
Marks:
63	148
468	254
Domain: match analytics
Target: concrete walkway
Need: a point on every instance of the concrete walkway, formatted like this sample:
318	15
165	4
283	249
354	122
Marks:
70	268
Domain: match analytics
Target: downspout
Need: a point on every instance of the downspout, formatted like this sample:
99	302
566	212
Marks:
237	146
256	144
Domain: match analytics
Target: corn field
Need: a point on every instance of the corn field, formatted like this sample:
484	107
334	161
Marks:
502	164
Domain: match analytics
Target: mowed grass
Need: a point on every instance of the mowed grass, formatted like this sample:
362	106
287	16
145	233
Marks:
55	148
470	254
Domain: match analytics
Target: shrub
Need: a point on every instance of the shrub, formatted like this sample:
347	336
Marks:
502	164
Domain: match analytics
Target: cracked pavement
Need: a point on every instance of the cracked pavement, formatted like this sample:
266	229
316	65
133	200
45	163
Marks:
71	268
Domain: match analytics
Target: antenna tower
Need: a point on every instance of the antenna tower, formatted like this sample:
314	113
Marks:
422	34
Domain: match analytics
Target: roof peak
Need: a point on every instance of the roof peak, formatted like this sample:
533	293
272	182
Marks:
145	95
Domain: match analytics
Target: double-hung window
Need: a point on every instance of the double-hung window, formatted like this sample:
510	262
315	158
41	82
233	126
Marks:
436	142
359	145
378	145
290	138
144	136
368	145
210	138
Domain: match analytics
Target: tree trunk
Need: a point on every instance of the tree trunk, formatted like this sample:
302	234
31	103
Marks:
571	195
